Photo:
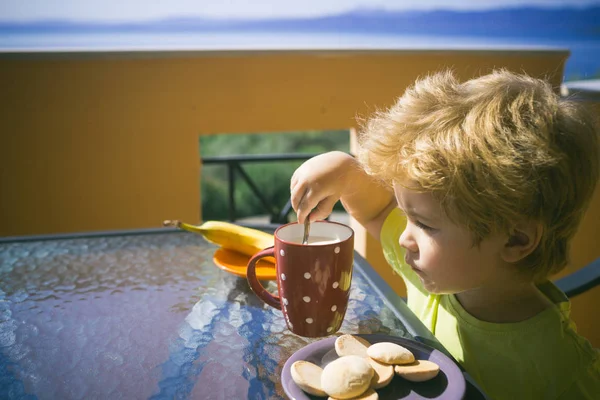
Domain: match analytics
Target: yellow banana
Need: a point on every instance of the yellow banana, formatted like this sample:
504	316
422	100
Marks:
229	236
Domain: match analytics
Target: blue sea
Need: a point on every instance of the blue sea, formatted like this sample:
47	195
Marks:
583	63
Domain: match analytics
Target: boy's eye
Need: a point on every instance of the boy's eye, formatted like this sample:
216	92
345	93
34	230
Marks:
423	226
417	223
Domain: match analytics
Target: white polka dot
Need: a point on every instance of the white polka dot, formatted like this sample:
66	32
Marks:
333	308
309	320
335	285
307	275
283	277
329	329
285	301
337	249
282	252
291	326
306	299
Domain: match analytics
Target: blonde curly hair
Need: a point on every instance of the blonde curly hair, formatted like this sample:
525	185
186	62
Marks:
493	150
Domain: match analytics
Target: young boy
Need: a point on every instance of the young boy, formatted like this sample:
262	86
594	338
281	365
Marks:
475	190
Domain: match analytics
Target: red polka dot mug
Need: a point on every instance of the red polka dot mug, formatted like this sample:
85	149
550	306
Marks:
313	279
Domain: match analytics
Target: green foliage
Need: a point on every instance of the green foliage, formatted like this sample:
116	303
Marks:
272	178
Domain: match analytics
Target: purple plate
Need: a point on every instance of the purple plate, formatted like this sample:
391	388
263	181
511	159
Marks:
449	384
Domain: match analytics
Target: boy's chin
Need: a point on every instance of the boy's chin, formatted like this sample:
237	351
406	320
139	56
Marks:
433	288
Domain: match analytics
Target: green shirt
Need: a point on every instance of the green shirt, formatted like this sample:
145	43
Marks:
539	358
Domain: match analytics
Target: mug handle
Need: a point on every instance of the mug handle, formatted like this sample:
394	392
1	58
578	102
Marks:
255	284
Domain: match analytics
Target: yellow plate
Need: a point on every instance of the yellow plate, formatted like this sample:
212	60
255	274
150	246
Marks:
237	263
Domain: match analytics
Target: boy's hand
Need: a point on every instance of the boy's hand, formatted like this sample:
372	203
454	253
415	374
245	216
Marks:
323	180
319	183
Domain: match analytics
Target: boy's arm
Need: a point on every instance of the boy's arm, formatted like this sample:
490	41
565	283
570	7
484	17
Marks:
323	180
371	219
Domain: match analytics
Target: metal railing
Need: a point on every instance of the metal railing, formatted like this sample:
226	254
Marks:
235	169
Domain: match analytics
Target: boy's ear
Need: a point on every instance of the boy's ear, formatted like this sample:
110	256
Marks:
522	241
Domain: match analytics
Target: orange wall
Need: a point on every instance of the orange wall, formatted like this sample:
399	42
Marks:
101	141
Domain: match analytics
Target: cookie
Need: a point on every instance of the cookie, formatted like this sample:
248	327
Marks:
390	353
383	375
308	377
370	394
348	345
347	377
418	371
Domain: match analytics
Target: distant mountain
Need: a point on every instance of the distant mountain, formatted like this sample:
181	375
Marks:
581	23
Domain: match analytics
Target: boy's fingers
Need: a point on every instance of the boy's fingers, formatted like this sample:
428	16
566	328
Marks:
305	207
297	194
293	182
323	209
300	202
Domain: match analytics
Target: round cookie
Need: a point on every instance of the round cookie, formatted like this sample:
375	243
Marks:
347	377
390	353
308	377
418	371
348	345
383	375
370	394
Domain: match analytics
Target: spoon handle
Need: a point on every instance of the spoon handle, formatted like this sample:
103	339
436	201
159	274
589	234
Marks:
306	230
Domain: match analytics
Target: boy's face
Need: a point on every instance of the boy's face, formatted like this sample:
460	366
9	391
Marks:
442	253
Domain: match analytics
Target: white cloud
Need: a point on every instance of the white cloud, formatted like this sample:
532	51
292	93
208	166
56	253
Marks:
155	9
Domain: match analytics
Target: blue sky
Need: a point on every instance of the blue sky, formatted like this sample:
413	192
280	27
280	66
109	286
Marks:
135	10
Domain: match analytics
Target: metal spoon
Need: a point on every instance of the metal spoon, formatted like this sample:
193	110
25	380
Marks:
306	229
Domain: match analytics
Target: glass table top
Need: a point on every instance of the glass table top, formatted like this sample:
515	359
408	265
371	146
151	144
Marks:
147	316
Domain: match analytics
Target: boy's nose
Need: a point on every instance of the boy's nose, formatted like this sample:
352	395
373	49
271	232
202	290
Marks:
407	241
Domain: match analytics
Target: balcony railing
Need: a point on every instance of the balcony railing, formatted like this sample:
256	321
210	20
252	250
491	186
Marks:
235	169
